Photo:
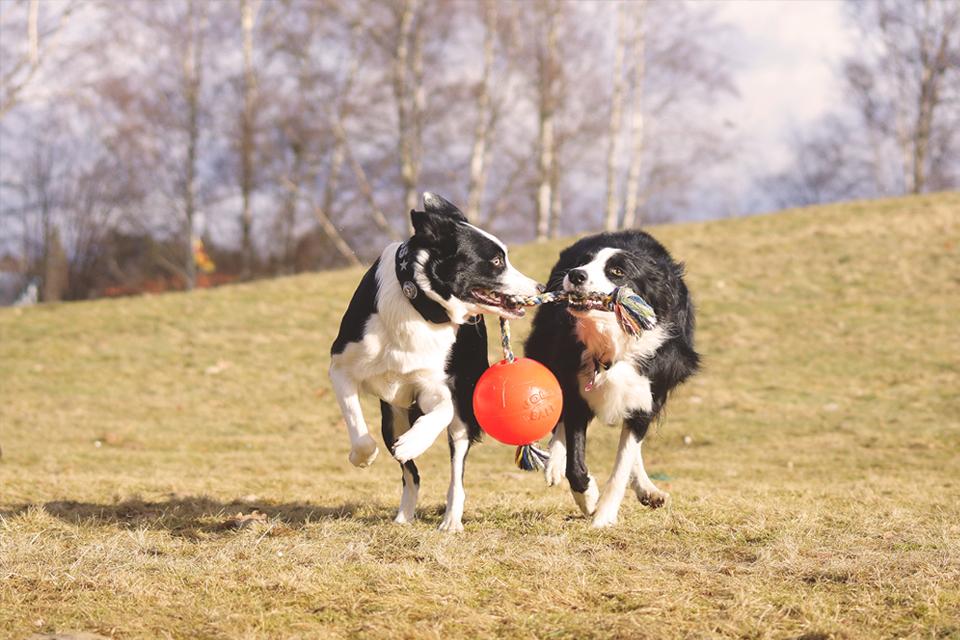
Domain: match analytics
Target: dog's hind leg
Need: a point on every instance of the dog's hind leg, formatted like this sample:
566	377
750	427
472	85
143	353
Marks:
643	486
647	492
363	448
436	403
396	421
609	505
459	439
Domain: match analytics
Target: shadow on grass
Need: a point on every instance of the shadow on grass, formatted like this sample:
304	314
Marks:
190	516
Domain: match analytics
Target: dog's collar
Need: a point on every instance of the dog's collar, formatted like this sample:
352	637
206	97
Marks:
431	310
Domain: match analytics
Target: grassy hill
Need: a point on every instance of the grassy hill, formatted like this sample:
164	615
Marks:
818	495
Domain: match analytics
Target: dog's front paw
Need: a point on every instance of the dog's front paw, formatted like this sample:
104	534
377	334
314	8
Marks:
364	452
587	501
604	517
653	498
556	466
451	524
410	445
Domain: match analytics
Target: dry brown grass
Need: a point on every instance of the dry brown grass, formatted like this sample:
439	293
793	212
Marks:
820	497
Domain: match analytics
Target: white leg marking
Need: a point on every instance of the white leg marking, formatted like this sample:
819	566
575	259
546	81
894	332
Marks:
437	406
453	517
408	500
363	448
556	467
587	501
609	506
646	491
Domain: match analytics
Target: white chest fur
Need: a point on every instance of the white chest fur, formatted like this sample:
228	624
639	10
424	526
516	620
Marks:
615	393
400	352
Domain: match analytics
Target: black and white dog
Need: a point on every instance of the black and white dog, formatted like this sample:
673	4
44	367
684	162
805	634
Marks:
413	335
607	374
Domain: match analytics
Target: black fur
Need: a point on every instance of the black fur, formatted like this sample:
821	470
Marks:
362	305
650	271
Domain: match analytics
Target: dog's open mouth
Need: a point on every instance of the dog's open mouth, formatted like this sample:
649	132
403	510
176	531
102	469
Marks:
500	303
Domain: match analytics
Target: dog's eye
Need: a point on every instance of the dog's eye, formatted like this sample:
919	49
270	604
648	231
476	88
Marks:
497	262
616	272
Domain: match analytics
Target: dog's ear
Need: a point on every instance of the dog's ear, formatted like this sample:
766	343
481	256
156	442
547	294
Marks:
433	203
432	227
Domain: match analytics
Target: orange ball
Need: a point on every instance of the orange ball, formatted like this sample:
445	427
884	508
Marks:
517	402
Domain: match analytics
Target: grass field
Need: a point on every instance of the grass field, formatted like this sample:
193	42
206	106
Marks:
818	494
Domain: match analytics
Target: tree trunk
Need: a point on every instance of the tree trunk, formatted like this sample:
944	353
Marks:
547	69
613	134
556	198
481	135
402	96
632	205
192	84
246	141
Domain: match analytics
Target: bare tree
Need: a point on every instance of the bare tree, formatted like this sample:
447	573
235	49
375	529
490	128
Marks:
248	12
484	125
548	70
906	78
638	51
616	114
43	34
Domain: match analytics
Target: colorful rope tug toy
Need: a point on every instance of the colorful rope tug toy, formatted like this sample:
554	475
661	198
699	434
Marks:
518	401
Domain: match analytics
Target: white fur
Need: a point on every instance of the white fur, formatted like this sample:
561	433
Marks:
556	467
587	501
456	496
643	486
400	359
609	505
621	389
597	280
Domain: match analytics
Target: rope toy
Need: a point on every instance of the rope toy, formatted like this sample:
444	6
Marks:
634	316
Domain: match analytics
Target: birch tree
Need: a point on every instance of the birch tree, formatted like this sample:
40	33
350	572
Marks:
548	69
638	54
906	81
484	125
613	132
248	12
40	41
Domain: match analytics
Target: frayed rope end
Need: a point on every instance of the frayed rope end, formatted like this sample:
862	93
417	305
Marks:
530	457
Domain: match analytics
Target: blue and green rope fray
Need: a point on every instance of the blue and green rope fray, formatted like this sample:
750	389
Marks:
634	315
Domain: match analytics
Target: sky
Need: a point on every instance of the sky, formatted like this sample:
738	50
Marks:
788	60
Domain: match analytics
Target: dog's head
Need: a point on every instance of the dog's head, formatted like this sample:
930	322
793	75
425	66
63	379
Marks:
464	268
601	263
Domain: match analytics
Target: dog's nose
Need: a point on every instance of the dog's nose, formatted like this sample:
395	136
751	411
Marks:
541	288
577	276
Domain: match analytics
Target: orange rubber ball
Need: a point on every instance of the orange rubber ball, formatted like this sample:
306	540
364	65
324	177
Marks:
517	402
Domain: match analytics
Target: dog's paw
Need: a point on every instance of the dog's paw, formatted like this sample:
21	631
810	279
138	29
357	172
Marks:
554	471
587	501
653	498
403	518
451	524
364	452
410	445
556	466
604	517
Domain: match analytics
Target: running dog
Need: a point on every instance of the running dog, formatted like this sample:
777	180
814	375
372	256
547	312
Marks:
607	374
413	335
